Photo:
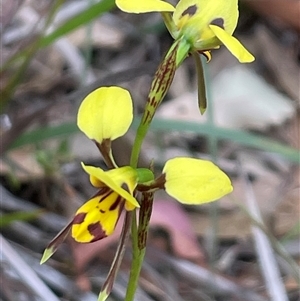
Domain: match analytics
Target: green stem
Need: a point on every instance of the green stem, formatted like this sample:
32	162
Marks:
137	145
137	260
139	239
160	85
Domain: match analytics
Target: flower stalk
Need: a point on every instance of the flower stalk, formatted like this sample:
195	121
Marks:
139	240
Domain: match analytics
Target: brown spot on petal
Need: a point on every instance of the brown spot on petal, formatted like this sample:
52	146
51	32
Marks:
79	218
218	21
115	204
104	193
190	10
102	211
96	231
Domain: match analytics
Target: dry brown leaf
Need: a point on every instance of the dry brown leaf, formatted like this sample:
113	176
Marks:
170	216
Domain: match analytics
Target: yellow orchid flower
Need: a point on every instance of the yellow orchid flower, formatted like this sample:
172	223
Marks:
188	180
98	217
194	181
204	24
106	113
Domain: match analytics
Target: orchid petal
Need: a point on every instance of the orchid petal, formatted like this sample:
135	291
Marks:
97	218
144	6
114	179
106	113
233	45
195	181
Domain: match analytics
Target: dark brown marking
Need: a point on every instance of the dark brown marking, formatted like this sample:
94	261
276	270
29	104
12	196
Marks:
190	10
105	194
151	100
147	117
125	187
142	239
115	204
160	84
96	231
101	191
218	21
102	211
79	218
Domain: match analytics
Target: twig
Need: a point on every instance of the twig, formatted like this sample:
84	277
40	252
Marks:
49	221
269	267
219	284
25	272
60	283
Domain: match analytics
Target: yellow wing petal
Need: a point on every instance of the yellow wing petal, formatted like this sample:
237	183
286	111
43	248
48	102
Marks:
195	181
233	45
106	113
144	6
97	218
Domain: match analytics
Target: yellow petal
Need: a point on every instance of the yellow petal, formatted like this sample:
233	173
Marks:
195	181
233	45
106	113
185	10
196	15
114	179
144	6
98	217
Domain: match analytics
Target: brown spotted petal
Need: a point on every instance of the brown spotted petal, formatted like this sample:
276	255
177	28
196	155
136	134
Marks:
98	217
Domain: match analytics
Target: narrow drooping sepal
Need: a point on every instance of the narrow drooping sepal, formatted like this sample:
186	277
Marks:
56	242
111	277
195	181
202	99
48	252
104	294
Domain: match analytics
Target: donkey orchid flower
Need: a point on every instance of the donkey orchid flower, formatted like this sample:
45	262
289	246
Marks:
204	24
98	217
